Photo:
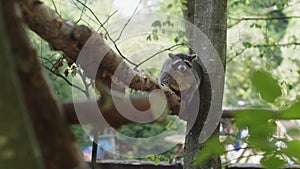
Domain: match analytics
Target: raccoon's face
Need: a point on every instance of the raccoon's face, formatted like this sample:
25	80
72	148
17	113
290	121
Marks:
181	62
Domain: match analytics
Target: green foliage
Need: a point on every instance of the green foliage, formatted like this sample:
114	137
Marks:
255	121
161	157
172	7
291	113
277	27
272	162
53	60
167	28
176	31
293	149
212	146
81	135
254	44
148	130
261	125
142	130
266	85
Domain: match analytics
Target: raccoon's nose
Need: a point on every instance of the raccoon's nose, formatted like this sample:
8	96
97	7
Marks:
182	68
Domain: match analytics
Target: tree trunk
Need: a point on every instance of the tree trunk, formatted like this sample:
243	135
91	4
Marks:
210	17
56	140
18	146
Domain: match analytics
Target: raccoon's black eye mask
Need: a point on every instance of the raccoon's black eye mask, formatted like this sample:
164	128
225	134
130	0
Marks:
188	64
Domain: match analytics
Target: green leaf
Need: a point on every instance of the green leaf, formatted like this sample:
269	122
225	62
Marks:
154	34
293	132
170	6
247	44
212	146
253	117
156	23
148	38
266	85
291	113
255	121
255	25
155	37
272	162
176	39
293	149
156	161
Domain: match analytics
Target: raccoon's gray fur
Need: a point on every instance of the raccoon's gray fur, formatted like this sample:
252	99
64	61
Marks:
175	62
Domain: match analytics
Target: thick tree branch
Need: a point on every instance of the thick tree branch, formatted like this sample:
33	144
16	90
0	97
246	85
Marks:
110	114
69	38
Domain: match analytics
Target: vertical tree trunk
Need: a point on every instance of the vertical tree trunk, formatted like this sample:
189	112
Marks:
57	142
18	145
210	17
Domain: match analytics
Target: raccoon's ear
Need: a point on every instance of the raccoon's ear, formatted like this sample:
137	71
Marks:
171	55
193	56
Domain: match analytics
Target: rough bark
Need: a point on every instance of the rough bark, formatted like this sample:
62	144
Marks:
69	38
210	17
57	143
111	114
18	147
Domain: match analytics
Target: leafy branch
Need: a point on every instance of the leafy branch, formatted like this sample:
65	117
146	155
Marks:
238	20
66	80
52	70
277	44
264	18
248	45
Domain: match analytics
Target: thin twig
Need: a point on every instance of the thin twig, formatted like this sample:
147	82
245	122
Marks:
65	79
47	61
106	32
126	24
159	52
264	18
238	20
83	78
55	8
109	16
236	55
82	11
88	24
277	44
263	46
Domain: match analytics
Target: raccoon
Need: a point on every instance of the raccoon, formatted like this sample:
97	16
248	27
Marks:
175	74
